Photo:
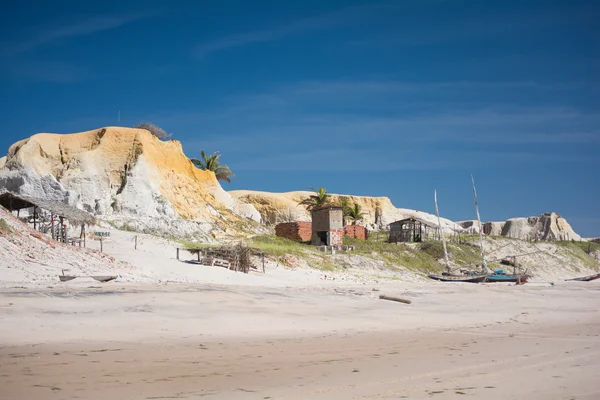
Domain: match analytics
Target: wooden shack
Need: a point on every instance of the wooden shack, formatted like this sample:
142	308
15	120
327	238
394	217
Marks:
55	222
327	226
412	230
300	231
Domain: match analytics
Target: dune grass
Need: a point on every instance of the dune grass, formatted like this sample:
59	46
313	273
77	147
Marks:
4	226
278	246
581	250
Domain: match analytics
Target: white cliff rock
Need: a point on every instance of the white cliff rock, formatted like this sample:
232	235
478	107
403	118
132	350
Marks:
123	175
548	226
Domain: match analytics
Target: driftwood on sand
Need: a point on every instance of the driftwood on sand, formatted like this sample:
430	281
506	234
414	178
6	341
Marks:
237	257
398	299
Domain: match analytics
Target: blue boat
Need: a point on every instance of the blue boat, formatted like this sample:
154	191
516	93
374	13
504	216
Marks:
501	276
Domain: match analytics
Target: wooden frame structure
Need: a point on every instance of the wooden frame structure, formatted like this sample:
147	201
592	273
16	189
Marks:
412	230
59	212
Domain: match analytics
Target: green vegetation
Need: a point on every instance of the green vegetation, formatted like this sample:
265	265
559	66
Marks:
344	202
4	227
587	247
581	250
434	249
211	163
395	254
278	246
355	213
317	200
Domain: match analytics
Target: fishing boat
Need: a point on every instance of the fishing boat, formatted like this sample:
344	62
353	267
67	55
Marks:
474	278
585	278
500	276
447	276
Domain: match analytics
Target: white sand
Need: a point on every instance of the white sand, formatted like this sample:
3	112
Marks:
169	329
235	342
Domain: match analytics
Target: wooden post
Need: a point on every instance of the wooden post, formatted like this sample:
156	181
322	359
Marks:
34	219
198	256
136	242
61	230
101	249
178	253
84	235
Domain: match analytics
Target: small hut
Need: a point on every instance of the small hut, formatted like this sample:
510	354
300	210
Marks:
59	212
327	226
412	230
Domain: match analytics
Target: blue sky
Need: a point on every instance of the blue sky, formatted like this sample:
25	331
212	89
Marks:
390	98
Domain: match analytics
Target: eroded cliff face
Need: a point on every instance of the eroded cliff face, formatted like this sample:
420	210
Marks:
284	207
548	226
379	212
123	173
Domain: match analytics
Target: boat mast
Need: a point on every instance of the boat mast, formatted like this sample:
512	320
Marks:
437	211
483	262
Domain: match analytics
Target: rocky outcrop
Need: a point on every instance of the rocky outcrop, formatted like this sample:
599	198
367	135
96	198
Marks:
125	175
548	226
493	228
469	226
379	212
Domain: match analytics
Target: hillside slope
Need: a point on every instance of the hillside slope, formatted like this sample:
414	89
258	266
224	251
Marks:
379	211
126	175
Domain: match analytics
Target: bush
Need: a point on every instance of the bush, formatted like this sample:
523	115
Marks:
435	249
155	130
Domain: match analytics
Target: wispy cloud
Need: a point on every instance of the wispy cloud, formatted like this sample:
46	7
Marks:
460	123
293	28
79	28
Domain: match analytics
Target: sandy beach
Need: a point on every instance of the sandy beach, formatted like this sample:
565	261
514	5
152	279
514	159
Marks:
239	342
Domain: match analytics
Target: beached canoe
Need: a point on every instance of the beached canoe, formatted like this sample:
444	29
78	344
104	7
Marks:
585	278
104	278
459	278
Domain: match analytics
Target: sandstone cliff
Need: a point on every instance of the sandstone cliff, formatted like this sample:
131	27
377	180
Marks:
283	207
124	174
548	226
379	211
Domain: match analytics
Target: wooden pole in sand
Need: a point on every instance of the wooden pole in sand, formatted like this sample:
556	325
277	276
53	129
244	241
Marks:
136	242
101	250
398	299
34	219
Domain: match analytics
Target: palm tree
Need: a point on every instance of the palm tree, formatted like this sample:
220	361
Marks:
211	163
317	200
355	213
344	202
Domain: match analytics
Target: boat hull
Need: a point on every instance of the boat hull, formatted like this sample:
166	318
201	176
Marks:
507	278
585	278
459	278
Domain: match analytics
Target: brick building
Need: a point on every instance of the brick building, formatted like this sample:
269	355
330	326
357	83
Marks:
327	226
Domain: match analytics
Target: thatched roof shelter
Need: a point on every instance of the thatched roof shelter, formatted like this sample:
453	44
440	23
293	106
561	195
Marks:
13	202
